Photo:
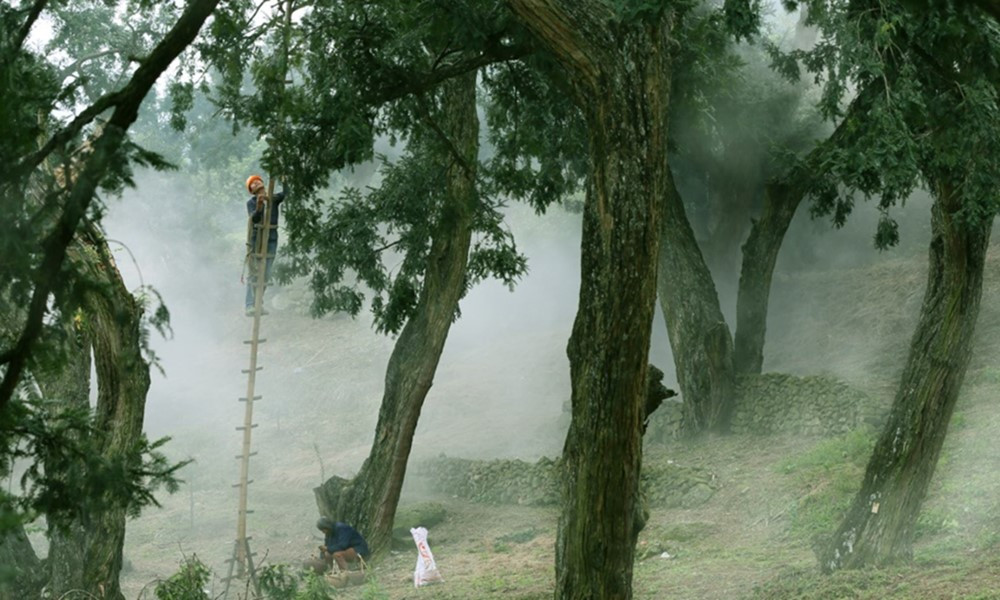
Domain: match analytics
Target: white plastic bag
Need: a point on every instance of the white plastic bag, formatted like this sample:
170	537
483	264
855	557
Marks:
426	571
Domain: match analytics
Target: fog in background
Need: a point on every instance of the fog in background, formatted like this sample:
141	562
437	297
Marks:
503	377
500	390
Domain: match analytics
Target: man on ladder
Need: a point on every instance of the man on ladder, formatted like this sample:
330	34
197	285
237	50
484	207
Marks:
256	206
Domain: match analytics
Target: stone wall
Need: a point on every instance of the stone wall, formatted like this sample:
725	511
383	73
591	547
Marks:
493	481
814	405
778	403
666	484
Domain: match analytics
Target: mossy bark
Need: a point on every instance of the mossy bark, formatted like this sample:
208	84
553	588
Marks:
620	78
369	500
880	524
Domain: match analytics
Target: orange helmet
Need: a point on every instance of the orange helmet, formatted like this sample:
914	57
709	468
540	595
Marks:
252	179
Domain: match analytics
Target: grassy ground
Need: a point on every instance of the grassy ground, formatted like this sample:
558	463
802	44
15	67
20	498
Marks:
778	497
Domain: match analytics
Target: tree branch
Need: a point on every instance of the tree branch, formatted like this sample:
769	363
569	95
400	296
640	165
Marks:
22	34
78	62
557	23
416	84
127	101
425	112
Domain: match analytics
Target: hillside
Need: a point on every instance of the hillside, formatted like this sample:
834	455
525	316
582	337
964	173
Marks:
499	393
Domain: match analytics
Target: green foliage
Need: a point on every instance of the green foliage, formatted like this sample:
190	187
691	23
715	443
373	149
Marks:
68	477
278	582
282	582
359	70
538	136
927	106
190	582
372	589
359	231
648	11
735	124
742	17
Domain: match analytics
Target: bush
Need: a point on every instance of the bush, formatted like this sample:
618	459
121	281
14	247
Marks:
188	583
282	582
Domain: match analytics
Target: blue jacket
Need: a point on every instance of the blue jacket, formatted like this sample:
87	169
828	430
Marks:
257	215
343	537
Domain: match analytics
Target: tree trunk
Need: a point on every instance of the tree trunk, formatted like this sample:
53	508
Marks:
89	552
782	198
21	574
880	523
369	500
620	77
68	389
760	253
700	339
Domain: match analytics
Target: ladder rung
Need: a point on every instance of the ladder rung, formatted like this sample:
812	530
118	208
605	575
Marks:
248	455
261	341
249	481
248	370
242	428
255	398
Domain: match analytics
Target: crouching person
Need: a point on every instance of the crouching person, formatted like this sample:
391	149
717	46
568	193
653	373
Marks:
341	544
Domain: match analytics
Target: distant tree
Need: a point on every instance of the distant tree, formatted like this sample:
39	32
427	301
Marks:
927	79
783	193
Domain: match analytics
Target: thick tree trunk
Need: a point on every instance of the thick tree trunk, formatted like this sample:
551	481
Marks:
760	253
21	574
620	76
880	523
700	339
369	500
68	389
89	552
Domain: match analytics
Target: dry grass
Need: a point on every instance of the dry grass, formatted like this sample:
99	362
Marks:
322	387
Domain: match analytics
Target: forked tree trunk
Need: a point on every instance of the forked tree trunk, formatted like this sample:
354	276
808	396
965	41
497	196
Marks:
369	500
620	77
700	339
880	523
